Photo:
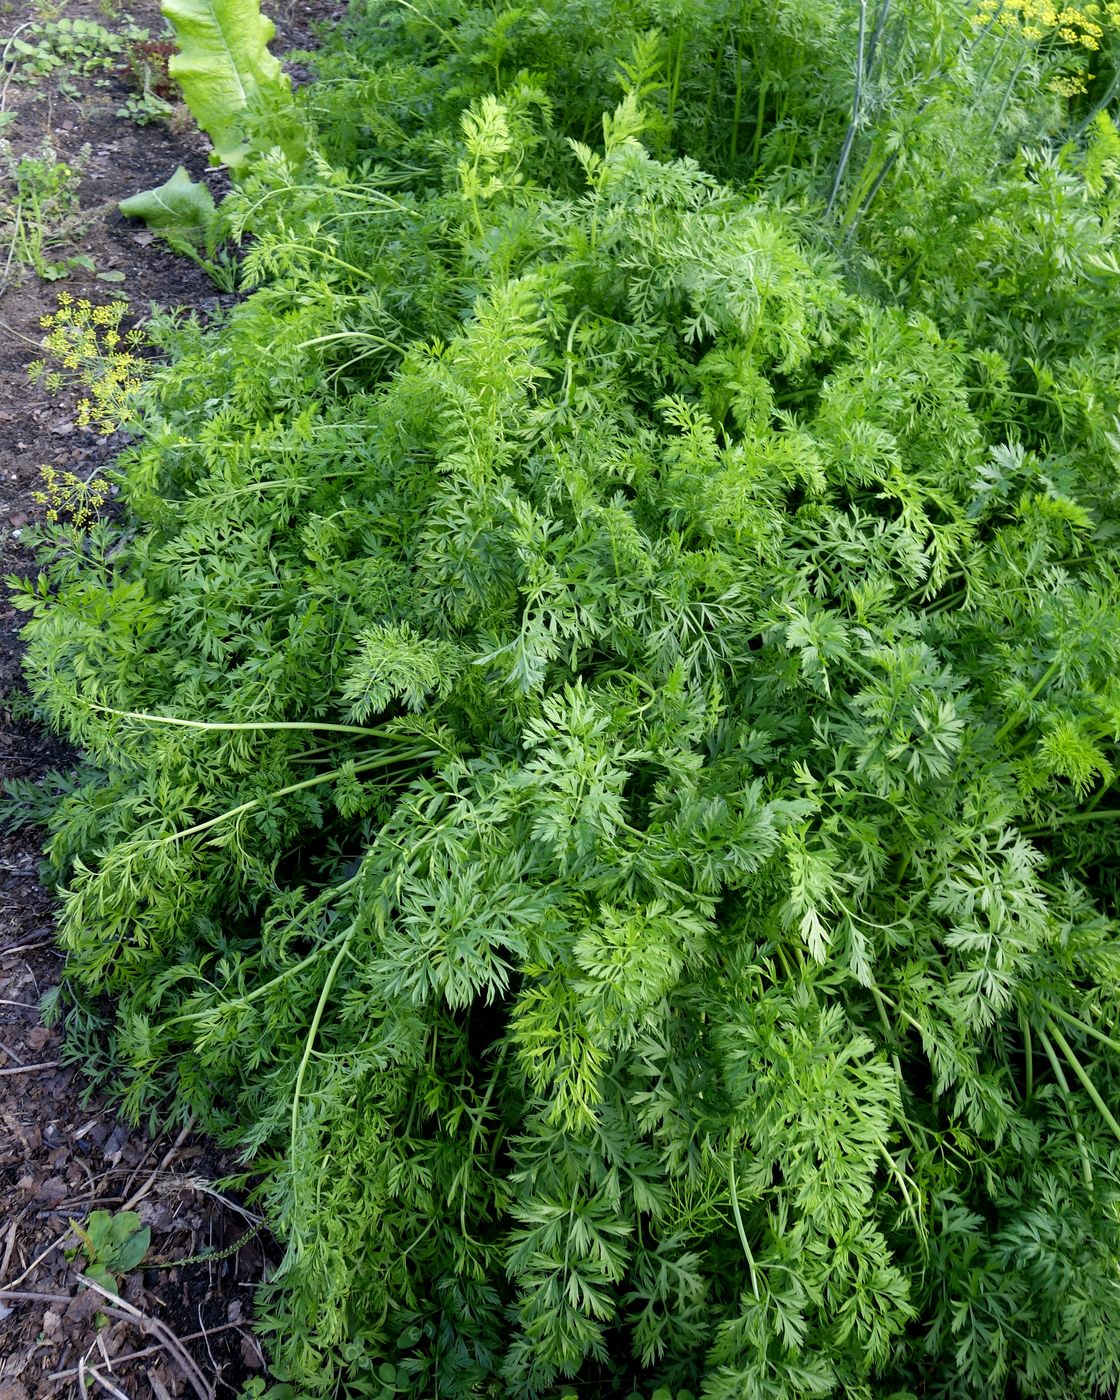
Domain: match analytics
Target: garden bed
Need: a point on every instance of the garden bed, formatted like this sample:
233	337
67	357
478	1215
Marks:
597	712
63	1150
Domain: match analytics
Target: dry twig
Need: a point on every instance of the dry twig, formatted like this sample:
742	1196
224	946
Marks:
159	1390
36	1297
125	1312
138	1196
143	1352
40	1257
106	1385
9	1244
29	1069
198	1184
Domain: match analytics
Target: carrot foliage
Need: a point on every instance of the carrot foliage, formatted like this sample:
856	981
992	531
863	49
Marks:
600	706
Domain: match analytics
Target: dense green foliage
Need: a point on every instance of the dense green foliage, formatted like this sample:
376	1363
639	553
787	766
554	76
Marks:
600	708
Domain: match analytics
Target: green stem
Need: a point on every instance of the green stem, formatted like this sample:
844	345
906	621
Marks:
365	196
1079	1025
884	1019
853	124
385	761
1059	1075
570	357
377	340
860	202
1002	40
910	1021
877	33
675	87
888	1032
429	20
896	1172
713	88
1094	801
1047	676
188	1017
330	257
1086	1083
759	117
734	1191
1075	819
382	733
1007	93
868	188
1083	126
313	1031
737	110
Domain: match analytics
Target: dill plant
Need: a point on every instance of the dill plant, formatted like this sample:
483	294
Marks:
87	350
600	720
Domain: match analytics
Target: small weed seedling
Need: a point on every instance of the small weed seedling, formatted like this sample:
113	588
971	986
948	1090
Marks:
145	107
69	48
112	1245
43	200
147	73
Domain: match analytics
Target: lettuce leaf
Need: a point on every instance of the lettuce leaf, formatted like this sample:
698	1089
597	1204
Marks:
224	65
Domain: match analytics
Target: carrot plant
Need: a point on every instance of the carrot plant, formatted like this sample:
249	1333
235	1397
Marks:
599	713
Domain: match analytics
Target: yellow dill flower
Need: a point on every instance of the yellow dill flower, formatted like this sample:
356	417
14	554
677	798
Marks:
85	340
65	495
1037	20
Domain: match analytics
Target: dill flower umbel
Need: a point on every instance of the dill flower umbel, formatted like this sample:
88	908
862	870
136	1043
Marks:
1080	26
87	342
67	497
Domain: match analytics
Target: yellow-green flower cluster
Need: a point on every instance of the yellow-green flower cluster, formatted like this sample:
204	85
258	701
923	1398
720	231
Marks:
1068	84
87	341
1082	26
67	497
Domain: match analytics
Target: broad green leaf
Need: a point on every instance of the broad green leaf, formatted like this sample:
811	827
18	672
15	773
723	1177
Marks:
127	1242
223	65
96	1274
179	205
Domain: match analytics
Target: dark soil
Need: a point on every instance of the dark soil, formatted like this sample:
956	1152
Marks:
179	1330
